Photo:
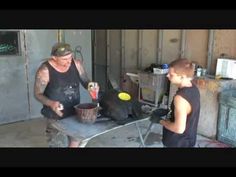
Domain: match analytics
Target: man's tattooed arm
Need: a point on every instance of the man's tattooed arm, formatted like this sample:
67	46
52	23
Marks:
41	81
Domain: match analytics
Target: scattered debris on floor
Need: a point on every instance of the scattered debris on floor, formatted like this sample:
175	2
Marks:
211	143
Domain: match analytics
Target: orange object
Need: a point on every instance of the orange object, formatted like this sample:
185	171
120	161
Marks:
93	94
93	89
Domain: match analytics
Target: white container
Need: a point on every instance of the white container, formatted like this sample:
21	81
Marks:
199	72
204	71
226	67
160	71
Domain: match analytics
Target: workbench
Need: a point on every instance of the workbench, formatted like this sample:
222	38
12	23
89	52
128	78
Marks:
85	132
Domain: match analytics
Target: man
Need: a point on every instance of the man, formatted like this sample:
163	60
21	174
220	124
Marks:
56	86
181	129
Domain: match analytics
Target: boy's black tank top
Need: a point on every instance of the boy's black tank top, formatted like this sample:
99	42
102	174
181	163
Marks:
188	138
62	87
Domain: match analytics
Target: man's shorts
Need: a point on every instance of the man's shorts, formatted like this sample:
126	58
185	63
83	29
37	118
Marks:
56	138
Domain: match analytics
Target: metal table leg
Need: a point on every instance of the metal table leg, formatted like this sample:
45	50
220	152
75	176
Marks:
140	134
146	134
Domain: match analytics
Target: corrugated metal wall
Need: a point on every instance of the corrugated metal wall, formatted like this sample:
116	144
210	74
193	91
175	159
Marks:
131	50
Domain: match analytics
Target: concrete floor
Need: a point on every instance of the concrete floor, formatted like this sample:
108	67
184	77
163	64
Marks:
31	134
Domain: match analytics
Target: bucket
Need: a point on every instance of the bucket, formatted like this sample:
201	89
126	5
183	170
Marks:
86	112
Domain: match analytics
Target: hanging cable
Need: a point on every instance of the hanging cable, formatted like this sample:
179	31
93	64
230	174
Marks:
78	50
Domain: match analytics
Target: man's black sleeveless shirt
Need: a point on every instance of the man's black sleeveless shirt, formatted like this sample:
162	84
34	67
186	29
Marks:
62	87
188	138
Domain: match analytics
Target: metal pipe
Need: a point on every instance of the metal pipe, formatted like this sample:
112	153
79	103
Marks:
108	52
122	53
140	42
94	53
25	53
210	50
183	43
78	49
61	36
160	46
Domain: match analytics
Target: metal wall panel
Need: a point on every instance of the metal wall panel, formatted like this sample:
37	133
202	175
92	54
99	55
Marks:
82	38
115	54
100	58
171	45
38	49
131	50
13	87
196	46
149	47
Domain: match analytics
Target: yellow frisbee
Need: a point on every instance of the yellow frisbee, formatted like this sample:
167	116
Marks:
124	96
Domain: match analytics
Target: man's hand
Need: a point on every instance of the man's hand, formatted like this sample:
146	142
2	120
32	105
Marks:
57	107
93	89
